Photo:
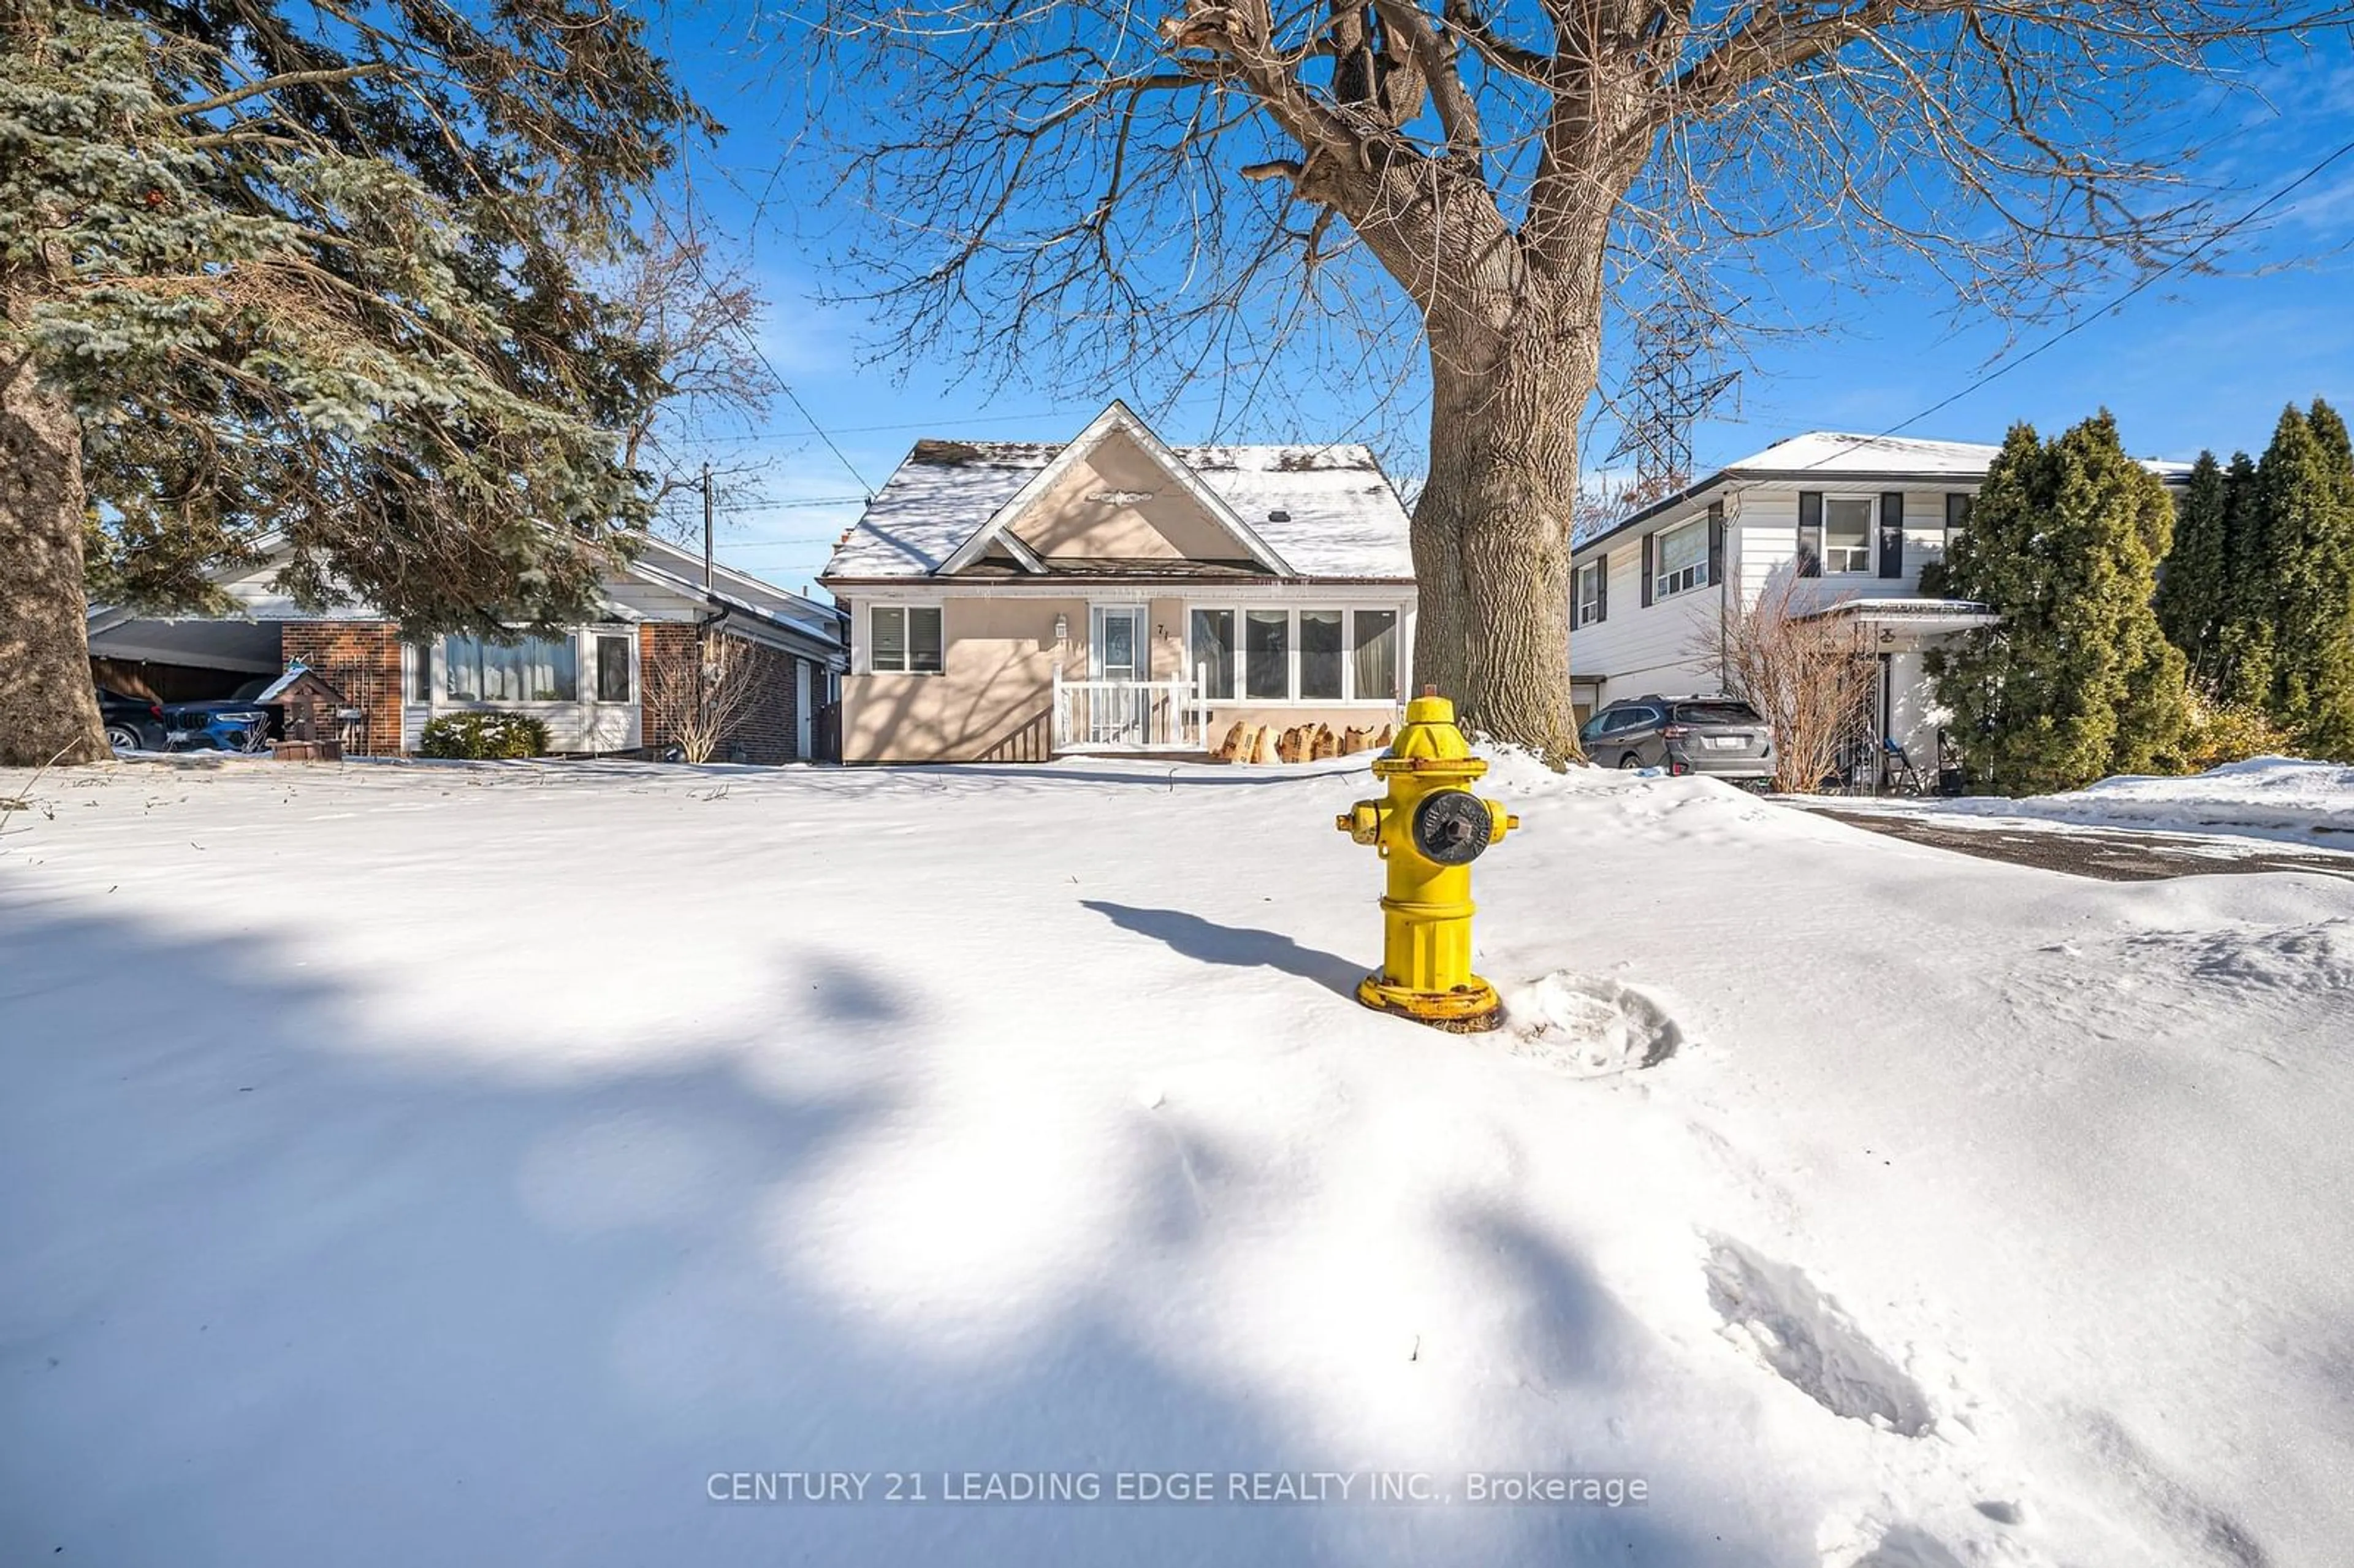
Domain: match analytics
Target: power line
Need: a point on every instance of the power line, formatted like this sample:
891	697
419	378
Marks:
2118	303
692	251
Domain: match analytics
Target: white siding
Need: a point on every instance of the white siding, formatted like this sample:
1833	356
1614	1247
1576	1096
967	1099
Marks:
1639	649
1643	649
1767	523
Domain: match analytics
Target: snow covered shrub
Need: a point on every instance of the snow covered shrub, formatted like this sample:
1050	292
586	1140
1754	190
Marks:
485	736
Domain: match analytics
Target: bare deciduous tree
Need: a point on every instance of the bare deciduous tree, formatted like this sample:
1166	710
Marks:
1811	675
696	703
697	314
1149	196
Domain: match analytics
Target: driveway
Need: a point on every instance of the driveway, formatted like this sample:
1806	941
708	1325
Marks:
2110	855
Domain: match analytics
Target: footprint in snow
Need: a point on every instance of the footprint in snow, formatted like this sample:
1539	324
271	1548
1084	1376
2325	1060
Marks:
1589	1026
1775	1311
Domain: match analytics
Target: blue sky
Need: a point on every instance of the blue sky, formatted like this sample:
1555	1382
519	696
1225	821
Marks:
2196	360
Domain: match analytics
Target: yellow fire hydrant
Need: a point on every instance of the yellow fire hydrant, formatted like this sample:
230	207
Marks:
1429	828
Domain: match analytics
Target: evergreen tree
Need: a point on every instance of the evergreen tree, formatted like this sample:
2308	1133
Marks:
2190	594
276	274
2078	680
2243	662
2306	488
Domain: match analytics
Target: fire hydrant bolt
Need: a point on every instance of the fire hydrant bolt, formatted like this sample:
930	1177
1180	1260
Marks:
1429	828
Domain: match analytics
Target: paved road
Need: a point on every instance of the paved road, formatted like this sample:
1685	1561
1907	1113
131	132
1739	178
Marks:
2113	855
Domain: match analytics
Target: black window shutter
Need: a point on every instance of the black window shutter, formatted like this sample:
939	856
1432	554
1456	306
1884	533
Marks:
1716	541
1891	533
1811	533
1647	569
1602	587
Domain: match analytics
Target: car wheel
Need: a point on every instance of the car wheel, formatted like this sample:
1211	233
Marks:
122	738
1628	759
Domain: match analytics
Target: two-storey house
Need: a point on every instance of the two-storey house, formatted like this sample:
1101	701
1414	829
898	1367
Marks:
1856	517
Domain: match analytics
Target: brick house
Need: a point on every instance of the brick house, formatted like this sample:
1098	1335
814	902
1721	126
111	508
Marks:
597	686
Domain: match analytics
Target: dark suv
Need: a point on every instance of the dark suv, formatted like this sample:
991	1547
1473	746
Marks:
1721	736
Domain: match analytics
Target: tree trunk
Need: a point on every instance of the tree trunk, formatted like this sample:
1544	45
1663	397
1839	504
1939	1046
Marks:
49	711
1492	527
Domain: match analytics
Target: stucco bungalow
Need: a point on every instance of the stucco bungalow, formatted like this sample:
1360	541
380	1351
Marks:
589	684
1019	600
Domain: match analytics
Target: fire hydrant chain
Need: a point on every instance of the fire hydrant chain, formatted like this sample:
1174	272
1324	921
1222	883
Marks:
1429	828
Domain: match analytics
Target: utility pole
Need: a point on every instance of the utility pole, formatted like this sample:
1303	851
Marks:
702	623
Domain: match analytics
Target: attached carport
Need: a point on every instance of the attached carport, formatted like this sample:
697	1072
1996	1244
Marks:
181	661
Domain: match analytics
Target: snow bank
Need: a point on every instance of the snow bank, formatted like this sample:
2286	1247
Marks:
2265	797
523	1163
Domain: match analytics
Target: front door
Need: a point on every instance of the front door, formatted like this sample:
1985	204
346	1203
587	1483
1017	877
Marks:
1116	661
802	714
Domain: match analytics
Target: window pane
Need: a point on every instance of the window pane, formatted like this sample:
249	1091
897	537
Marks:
1213	652
890	623
551	669
924	640
502	672
1847	535
1377	645
1680	558
1320	654
1117	628
1266	654
1684	546
421	673
612	669
461	658
1589	592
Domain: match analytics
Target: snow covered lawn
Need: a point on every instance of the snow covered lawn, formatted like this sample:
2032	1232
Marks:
489	1164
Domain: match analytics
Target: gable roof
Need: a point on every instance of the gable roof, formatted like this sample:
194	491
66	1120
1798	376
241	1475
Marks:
1835	456
1296	511
657	562
1117	416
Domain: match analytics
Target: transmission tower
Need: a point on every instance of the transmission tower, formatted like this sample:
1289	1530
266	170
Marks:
1666	393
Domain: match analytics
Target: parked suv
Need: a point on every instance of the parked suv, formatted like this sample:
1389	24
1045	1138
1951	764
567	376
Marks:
1721	736
226	724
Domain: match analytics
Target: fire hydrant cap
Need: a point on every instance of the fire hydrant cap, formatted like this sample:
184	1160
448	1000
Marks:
1429	736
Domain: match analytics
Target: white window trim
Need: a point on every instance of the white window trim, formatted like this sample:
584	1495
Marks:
629	634
1871	534
1660	591
1347	612
907	639
1578	603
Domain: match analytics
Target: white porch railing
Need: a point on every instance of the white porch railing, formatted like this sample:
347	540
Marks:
1128	715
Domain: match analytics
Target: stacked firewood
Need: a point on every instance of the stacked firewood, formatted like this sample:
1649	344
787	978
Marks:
1249	742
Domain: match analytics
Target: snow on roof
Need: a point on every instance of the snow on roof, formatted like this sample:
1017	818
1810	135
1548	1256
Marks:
1329	511
1834	452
